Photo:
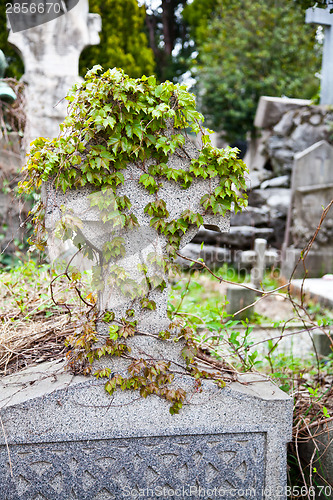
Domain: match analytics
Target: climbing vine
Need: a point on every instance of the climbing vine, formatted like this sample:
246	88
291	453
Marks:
115	121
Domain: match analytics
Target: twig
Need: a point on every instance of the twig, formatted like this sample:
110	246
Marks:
6	442
299	460
222	280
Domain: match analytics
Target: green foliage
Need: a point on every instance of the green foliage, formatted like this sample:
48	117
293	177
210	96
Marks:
248	50
123	41
322	4
23	285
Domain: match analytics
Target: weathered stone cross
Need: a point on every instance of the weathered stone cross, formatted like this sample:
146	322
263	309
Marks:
324	18
144	245
50	54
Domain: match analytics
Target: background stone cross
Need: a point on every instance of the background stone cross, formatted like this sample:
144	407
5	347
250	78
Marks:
50	53
324	18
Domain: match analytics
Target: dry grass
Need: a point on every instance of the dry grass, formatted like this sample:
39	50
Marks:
32	328
25	342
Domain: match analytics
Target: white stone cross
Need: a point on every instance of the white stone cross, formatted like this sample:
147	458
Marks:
324	18
50	54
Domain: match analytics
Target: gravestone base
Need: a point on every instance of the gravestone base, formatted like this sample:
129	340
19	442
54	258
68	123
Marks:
323	342
239	297
68	439
317	263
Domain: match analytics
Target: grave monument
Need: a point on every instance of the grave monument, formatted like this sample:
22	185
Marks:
63	436
312	190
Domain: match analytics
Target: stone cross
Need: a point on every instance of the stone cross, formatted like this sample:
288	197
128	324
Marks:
145	247
258	270
324	18
259	258
50	54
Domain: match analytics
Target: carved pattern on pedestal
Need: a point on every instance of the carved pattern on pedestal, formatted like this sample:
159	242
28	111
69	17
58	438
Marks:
101	469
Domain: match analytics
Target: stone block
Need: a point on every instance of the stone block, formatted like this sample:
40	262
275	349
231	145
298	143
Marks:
247	258
305	135
276	182
323	342
271	109
68	439
251	216
285	125
275	198
239	237
239	297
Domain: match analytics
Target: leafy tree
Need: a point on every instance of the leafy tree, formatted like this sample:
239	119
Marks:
248	49
169	38
123	41
322	4
15	68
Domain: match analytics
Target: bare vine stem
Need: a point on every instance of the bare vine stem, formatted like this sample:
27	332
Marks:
8	451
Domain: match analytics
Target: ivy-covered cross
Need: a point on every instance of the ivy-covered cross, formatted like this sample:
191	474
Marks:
126	183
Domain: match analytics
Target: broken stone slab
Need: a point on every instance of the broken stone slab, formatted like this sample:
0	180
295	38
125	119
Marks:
251	216
275	198
256	259
256	177
68	439
239	236
323	341
285	125
271	109
282	181
211	255
281	155
324	17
